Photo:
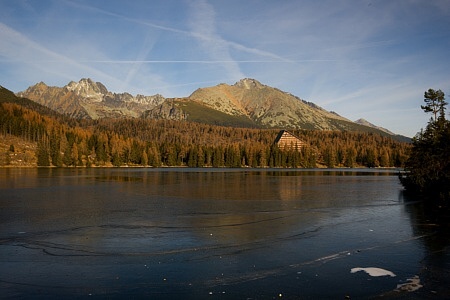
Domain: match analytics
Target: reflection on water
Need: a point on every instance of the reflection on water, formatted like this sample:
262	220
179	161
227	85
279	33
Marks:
434	225
198	233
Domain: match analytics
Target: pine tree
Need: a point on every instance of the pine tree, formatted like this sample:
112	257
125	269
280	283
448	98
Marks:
200	157
144	158
428	166
350	158
74	155
192	157
329	157
434	103
218	159
67	156
42	154
261	158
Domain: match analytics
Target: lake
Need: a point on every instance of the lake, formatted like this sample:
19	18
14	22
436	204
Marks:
181	233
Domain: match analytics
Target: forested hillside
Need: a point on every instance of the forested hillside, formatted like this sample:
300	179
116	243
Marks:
62	141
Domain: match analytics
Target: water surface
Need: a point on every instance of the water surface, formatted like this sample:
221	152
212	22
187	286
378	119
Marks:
214	233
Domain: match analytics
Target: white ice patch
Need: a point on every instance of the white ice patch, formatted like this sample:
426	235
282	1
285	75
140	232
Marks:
375	272
412	284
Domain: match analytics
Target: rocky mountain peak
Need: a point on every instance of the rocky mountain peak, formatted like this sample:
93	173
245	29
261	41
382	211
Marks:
249	83
89	99
41	84
89	89
38	89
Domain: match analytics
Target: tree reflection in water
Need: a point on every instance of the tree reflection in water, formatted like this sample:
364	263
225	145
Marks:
433	224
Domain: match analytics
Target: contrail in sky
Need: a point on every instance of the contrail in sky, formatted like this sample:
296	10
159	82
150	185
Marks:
202	61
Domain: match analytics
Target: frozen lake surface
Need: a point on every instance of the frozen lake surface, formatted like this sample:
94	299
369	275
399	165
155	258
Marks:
216	234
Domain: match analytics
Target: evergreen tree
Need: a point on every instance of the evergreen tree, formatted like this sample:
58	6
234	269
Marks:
144	158
55	152
384	158
135	153
261	157
74	154
42	154
67	156
350	158
208	156
200	157
329	157
192	157
372	158
116	160
218	159
434	103
428	166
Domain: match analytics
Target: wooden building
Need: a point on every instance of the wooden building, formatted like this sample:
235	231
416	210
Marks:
286	140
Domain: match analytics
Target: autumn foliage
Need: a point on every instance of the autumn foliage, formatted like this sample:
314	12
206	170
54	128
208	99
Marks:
62	141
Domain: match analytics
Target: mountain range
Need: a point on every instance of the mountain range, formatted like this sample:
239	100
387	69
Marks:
90	100
247	103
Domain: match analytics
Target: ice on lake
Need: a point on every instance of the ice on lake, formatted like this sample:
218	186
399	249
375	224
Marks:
375	272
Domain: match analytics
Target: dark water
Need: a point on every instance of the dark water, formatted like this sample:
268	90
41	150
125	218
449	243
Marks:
215	234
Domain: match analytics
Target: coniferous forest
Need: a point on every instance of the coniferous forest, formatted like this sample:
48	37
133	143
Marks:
62	142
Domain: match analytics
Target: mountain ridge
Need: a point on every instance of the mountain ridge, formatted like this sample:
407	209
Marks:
267	106
90	100
247	103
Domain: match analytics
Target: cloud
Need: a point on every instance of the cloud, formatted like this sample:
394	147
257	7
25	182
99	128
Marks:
17	48
105	12
344	55
38	63
203	27
145	49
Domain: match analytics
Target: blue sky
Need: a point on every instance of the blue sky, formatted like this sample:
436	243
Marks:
362	59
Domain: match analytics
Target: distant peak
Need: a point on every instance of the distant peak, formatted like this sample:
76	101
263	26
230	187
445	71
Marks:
38	86
87	80
82	81
361	120
248	83
41	83
88	88
364	122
